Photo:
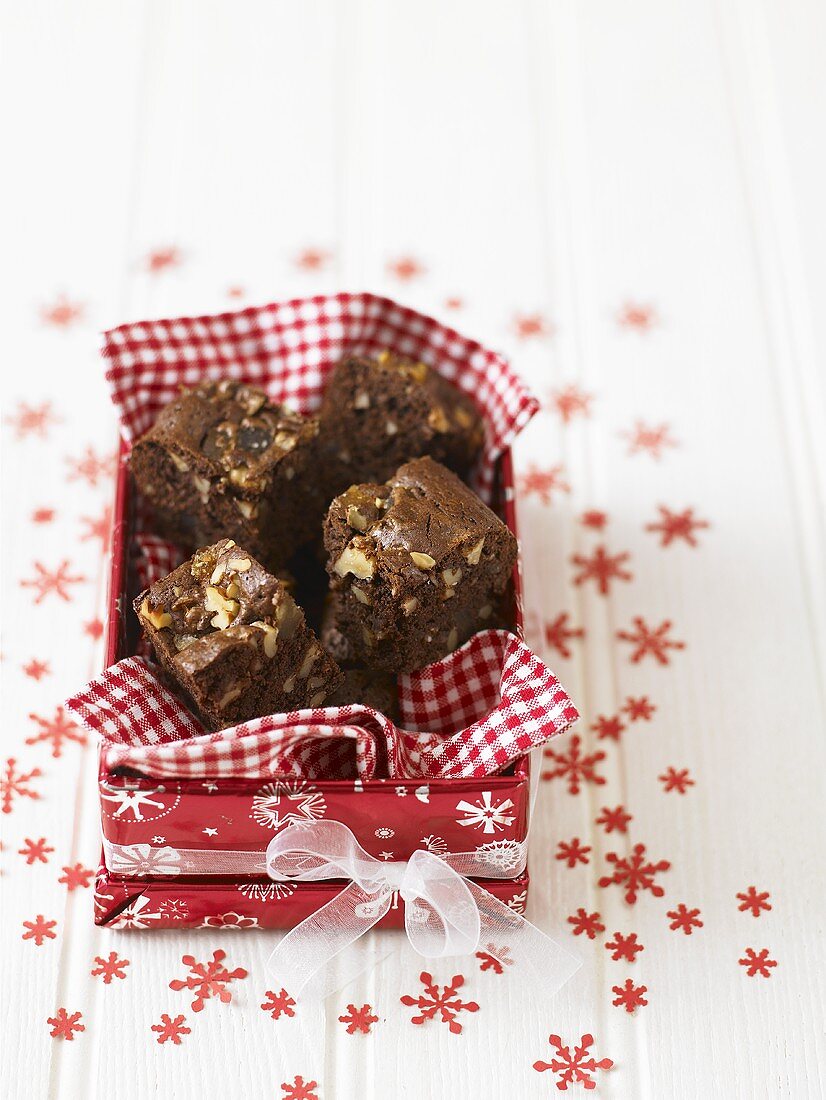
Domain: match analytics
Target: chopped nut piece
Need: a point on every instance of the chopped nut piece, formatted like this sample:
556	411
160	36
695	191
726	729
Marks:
318	698
410	605
246	508
288	685
474	554
437	419
179	462
315	682
218	572
451	577
288	617
310	658
452	638
233	590
355	561
423	561
239	565
361	595
228	697
159	619
391	427
361	400
225	609
240	475
183	640
202	486
485	612
355	519
270	637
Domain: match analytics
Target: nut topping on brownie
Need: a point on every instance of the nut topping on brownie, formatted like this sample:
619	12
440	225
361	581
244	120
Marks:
233	639
223	460
419	570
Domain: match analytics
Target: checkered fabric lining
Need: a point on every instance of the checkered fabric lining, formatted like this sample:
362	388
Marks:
476	711
289	350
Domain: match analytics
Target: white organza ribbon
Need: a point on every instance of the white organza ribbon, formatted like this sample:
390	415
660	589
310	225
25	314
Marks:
445	914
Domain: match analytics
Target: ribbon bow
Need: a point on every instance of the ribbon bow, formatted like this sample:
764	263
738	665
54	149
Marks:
445	913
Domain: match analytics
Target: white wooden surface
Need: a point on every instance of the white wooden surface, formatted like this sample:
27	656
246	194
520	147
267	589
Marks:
559	158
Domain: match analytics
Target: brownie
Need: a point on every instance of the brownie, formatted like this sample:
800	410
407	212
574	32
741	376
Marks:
373	689
232	638
221	461
417	564
378	413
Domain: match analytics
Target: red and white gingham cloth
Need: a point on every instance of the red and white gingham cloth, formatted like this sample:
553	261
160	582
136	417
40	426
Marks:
289	350
475	711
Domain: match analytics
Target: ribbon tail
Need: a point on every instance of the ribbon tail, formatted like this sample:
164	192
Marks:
520	947
308	948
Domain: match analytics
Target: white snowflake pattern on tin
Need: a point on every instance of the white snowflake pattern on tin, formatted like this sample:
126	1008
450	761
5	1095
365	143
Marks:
174	908
401	792
518	902
504	855
435	844
384	832
281	804
129	798
266	891
229	920
143	859
135	915
485	814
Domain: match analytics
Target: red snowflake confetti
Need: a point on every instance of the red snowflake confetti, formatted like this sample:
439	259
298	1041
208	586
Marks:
757	962
94	628
37	669
312	259
684	920
405	268
635	316
677	525
558	632
32	420
588	924
624	947
572	852
544	483
110	967
651	439
638	708
445	1002
14	784
76	876
235	292
753	901
91	467
576	1068
162	259
100	528
602	567
636	873
571	402
630	996
528	325
617	818
278	1004
56	730
207	979
35	851
171	1029
42	515
608	728
650	641
299	1089
494	958
575	766
47	582
454	303
64	1026
39	930
594	519
358	1019
61	313
673	779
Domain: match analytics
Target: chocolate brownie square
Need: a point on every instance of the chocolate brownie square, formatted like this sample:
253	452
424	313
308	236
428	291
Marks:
417	564
360	685
223	461
232	638
378	413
